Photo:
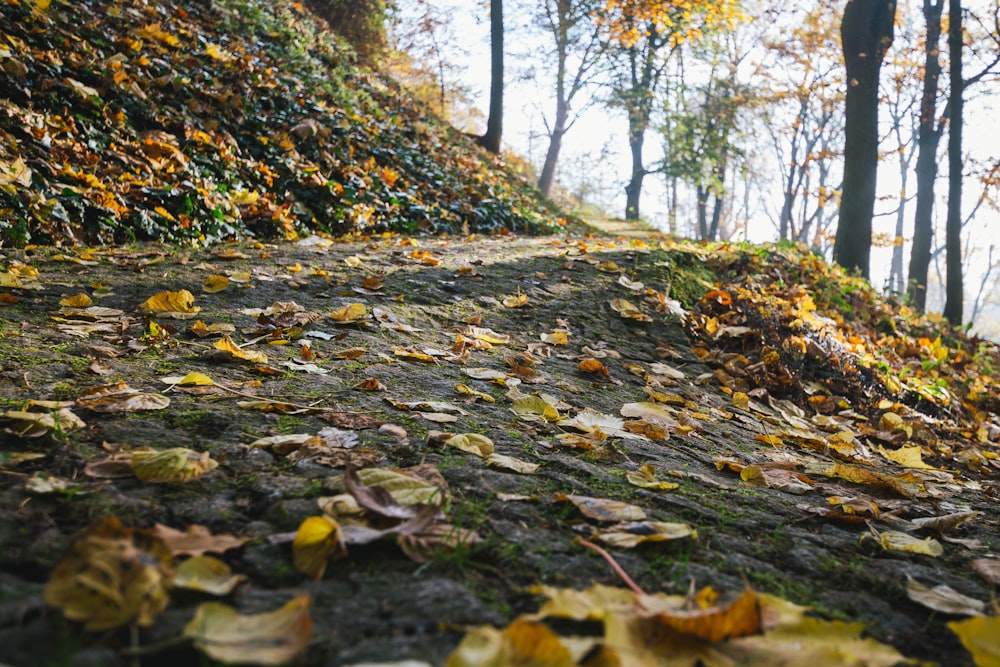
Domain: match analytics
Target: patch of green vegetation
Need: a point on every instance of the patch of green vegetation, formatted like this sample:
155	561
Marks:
64	391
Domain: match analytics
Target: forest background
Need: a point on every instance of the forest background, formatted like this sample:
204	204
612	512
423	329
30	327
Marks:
745	138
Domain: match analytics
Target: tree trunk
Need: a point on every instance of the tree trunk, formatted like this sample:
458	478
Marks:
494	125
636	135
551	159
866	33
928	137
702	193
953	232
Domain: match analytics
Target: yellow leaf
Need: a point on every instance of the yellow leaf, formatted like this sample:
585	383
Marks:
350	314
317	539
226	344
170	302
979	635
628	310
604	509
208	575
741	400
894	540
628	535
76	301
111	576
739	619
772	440
473	443
522	643
170	465
555	338
215	283
511	463
197	379
272	638
515	300
908	456
645	478
533	408
404	489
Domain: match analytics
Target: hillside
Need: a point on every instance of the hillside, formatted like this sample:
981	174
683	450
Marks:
204	121
344	442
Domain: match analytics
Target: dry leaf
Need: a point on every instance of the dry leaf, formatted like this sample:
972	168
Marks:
170	465
628	535
234	351
272	638
943	598
120	397
510	463
111	576
207	575
604	509
473	443
214	284
179	305
350	314
196	540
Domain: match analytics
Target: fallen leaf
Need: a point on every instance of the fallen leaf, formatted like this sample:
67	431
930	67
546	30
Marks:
604	509
943	598
272	638
473	443
979	636
120	397
316	541
645	477
350	314
628	535
214	284
171	465
196	540
111	576
510	463
207	575
179	305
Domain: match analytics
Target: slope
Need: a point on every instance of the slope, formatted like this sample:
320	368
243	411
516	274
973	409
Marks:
188	121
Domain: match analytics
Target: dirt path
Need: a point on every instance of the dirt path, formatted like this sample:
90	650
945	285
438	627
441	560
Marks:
376	604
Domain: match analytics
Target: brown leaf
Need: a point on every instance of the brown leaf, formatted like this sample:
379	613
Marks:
196	540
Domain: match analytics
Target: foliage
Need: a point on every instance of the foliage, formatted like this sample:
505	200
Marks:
359	22
240	118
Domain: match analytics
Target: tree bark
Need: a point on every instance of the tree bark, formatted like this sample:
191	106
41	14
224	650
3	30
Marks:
954	289
633	191
494	125
866	33
928	138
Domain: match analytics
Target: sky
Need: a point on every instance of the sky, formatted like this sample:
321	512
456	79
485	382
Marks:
595	151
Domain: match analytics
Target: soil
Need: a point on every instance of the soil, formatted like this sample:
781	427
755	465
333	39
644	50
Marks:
376	604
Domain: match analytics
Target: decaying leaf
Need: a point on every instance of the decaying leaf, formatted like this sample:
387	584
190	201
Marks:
120	397
196	540
943	598
510	463
628	535
604	509
894	540
521	643
473	443
645	477
272	638
207	575
353	313
629	311
27	424
178	464
740	618
111	576
533	408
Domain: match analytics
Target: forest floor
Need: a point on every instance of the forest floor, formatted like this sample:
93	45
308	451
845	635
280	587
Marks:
527	341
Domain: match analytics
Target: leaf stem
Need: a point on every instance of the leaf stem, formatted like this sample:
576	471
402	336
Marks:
614	565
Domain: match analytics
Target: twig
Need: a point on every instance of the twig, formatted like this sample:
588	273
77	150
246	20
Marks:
614	565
